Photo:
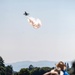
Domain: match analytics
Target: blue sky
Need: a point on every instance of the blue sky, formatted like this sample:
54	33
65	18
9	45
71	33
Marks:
53	41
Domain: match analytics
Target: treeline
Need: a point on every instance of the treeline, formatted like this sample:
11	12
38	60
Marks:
8	70
5	70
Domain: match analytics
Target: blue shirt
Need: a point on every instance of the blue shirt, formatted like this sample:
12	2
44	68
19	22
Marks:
65	72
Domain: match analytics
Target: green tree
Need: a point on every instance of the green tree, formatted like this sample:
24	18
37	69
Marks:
24	71
44	70
35	71
31	67
9	70
15	73
2	66
2	70
1	62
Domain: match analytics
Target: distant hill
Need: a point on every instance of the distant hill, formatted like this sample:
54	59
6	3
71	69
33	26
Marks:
25	64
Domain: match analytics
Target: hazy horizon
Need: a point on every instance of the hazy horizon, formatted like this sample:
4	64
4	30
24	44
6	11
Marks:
53	41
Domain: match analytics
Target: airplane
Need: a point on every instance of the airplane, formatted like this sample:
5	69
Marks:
26	14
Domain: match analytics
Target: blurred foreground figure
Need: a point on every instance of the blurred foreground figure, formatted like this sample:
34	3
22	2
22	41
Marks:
73	66
59	70
36	23
72	71
54	72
